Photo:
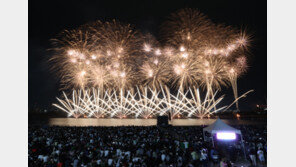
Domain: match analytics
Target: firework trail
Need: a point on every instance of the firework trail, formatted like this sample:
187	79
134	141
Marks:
115	57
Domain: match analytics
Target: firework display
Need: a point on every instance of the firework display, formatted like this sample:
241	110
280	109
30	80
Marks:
115	71
143	103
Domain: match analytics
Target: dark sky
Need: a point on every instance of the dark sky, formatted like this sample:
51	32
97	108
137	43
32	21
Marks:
47	18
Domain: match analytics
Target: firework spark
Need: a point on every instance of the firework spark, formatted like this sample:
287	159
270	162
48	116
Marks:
144	103
115	57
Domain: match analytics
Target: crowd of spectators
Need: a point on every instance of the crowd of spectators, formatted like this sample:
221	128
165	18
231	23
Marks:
139	147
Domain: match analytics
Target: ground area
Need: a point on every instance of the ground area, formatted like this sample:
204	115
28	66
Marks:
136	146
144	122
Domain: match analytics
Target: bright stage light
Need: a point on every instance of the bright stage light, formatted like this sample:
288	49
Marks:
226	136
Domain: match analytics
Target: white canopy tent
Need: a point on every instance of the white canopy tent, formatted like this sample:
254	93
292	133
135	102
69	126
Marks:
220	126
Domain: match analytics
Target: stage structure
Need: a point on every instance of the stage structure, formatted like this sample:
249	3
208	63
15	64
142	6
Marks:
220	131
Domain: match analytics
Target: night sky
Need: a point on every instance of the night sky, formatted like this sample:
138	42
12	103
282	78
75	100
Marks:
48	18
